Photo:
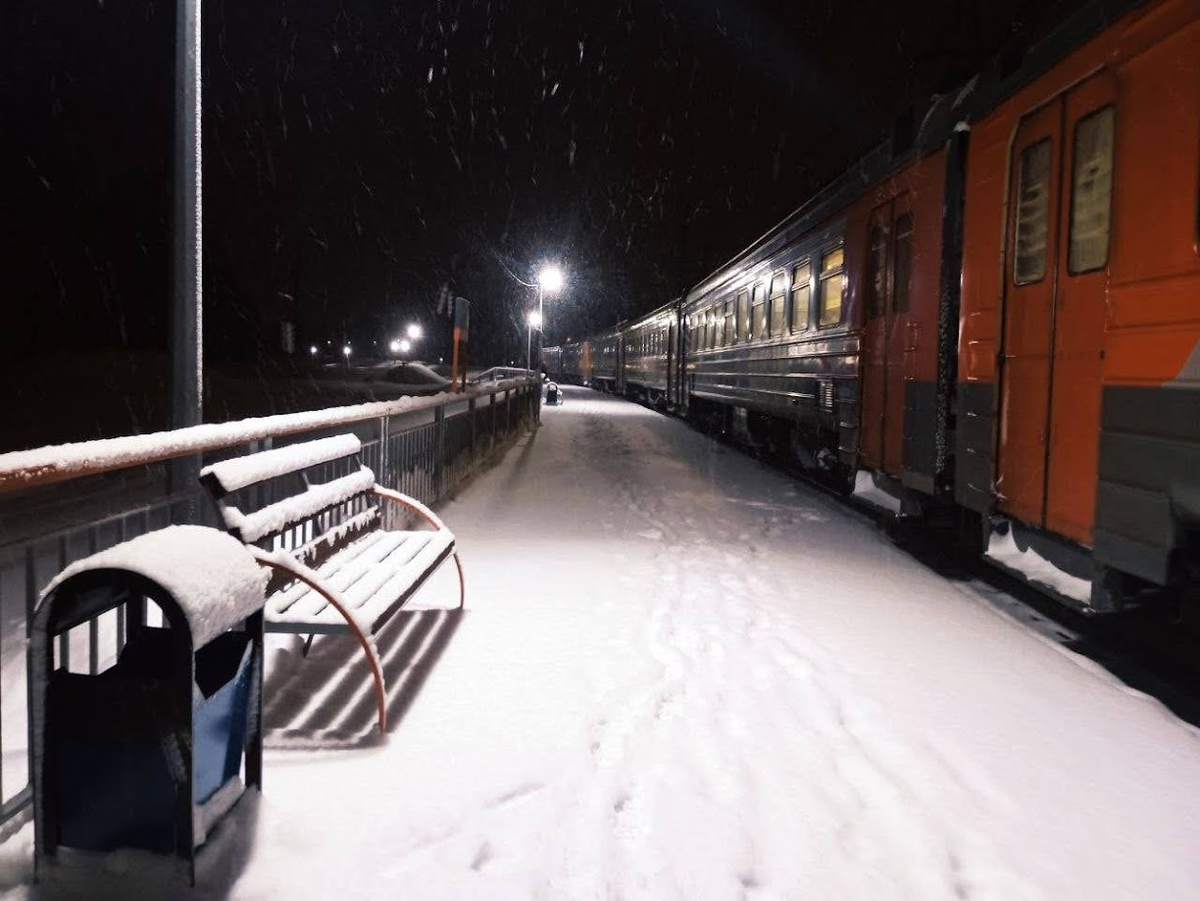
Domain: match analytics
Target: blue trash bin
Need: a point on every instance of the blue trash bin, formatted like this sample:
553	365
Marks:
143	754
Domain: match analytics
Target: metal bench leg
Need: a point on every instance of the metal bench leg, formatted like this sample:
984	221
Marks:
307	644
462	582
299	571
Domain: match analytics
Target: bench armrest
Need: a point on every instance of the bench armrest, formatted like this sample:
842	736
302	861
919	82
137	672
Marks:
413	504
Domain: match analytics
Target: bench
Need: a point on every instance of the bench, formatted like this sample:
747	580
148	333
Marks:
336	567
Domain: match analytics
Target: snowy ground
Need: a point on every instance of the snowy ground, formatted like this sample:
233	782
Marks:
683	675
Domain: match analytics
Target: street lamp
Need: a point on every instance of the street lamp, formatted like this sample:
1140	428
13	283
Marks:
534	318
549	281
414	332
405	345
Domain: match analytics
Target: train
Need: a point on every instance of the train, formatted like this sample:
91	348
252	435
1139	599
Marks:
995	312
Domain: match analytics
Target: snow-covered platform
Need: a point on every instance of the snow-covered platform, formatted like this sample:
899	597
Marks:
683	675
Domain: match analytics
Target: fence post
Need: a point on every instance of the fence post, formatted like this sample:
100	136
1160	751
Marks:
439	451
386	475
471	422
492	443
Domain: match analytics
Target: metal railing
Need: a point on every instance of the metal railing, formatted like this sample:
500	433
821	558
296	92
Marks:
58	505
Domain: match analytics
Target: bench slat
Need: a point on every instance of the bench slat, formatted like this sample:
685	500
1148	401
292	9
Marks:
343	569
241	472
372	589
276	517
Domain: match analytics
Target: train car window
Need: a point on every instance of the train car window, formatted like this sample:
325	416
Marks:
779	289
902	263
801	296
1091	192
831	287
1033	214
712	328
729	336
743	315
877	274
758	312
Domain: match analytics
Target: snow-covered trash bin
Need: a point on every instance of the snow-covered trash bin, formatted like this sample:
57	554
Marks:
152	751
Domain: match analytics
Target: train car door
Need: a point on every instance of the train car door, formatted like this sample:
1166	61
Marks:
889	265
1056	260
669	376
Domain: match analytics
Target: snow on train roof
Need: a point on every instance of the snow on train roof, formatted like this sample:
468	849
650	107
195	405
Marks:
210	574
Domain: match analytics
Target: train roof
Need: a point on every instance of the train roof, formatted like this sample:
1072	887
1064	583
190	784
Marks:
1014	67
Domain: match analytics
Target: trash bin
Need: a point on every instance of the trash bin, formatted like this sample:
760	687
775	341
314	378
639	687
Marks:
149	753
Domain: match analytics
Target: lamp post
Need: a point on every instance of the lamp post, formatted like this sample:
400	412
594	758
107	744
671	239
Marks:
549	281
535	321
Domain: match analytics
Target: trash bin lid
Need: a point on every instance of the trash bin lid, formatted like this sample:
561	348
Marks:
208	573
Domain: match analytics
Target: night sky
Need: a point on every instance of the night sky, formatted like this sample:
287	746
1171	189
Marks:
365	161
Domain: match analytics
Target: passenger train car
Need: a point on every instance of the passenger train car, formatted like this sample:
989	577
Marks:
996	312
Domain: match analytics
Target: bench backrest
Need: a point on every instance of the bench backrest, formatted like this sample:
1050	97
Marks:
311	498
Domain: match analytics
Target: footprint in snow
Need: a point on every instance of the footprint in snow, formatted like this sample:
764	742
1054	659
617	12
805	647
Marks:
482	856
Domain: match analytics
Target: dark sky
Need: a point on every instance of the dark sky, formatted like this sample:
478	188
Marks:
364	160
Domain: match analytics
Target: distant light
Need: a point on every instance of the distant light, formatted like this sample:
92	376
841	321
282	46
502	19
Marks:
346	351
535	319
394	347
313	350
414	331
551	279
441	359
405	345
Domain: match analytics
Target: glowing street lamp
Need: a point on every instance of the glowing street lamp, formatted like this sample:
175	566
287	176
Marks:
394	346
414	332
405	345
550	280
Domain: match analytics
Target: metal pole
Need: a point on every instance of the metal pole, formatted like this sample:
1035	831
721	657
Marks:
539	326
187	333
529	346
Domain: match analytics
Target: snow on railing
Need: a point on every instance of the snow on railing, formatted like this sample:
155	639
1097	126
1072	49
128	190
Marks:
60	462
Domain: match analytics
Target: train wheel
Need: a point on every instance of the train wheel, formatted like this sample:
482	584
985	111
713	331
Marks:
974	529
842	479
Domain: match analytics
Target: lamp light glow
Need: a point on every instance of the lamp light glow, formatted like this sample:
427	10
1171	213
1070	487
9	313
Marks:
551	279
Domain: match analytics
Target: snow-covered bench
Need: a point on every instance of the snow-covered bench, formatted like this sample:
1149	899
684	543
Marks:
336	567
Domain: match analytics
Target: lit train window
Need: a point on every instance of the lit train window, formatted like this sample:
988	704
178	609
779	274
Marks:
743	315
758	313
779	288
1033	213
729	336
902	264
1091	192
831	287
801	296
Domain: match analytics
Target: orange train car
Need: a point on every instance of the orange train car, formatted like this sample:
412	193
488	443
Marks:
1078	397
906	303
